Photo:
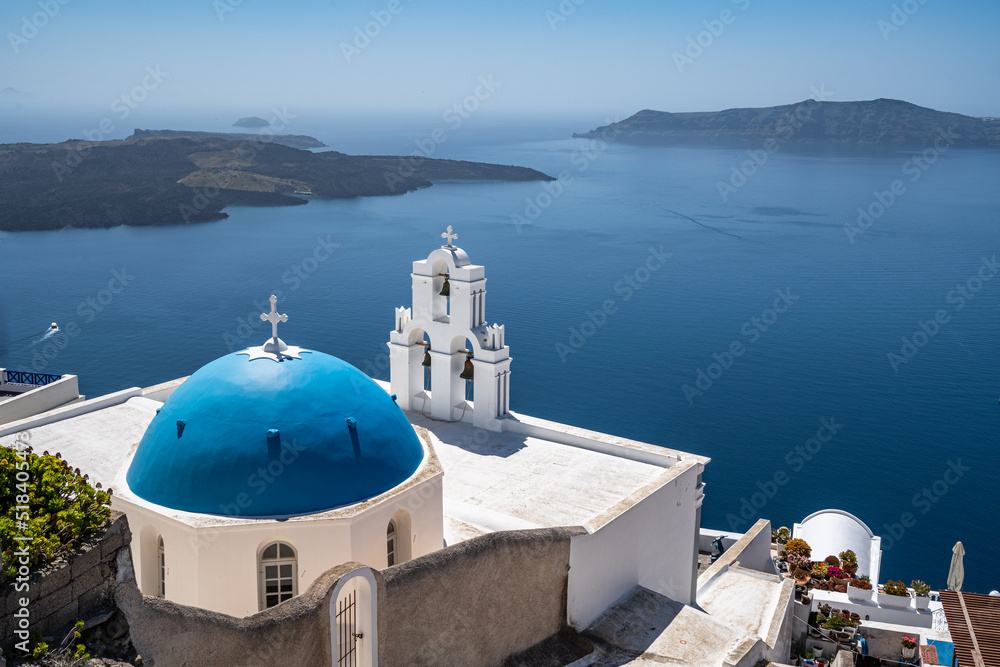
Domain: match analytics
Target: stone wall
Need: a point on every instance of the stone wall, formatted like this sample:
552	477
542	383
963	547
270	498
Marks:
64	591
477	602
474	603
167	634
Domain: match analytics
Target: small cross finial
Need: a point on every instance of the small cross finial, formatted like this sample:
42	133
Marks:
273	317
449	236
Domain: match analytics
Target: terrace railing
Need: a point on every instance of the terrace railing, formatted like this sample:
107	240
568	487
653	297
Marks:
29	378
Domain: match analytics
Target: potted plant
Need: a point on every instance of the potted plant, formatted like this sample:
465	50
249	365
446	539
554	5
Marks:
921	594
819	570
909	650
894	594
796	561
859	589
784	535
801	576
807	658
849	561
839	627
832	561
798	546
837	574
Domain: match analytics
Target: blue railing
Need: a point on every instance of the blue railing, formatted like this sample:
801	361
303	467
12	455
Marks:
27	377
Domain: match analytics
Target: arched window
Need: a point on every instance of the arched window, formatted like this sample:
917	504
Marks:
161	566
278	575
390	542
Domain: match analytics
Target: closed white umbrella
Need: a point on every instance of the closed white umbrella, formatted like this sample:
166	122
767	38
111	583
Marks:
956	573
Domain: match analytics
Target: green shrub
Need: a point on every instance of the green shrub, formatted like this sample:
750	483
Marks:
836	623
53	504
848	558
920	588
895	588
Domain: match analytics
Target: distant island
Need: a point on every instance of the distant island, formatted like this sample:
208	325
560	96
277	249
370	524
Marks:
878	123
292	140
164	180
251	121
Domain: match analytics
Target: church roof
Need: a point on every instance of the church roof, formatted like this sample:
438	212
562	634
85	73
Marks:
260	434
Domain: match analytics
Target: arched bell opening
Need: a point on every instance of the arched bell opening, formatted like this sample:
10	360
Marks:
427	377
462	378
416	364
441	291
468	373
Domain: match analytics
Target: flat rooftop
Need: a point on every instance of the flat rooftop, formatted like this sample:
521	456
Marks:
507	481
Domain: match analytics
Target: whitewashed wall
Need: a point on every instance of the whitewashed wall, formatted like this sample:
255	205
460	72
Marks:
649	545
215	567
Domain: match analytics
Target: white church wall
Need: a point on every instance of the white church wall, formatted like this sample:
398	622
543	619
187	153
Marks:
181	580
648	544
422	505
216	566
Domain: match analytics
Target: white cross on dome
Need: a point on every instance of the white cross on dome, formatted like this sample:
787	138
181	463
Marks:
275	348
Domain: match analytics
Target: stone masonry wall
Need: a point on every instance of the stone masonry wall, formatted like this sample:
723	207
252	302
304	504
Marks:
477	602
64	591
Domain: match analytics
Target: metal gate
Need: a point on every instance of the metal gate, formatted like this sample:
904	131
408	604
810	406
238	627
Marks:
347	617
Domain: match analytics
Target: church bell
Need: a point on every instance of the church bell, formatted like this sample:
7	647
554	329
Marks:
468	373
427	359
446	288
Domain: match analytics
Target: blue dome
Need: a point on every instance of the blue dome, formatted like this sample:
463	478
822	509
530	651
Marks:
261	438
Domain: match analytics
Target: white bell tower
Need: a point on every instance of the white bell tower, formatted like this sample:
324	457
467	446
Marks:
449	329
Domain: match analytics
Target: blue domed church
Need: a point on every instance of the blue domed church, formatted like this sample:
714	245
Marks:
289	454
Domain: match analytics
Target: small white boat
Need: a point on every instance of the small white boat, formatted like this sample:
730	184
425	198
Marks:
53	326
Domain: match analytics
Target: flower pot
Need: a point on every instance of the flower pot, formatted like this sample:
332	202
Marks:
897	601
859	593
853	569
909	653
921	603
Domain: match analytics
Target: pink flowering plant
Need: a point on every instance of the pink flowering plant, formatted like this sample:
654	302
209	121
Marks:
837	573
909	642
796	560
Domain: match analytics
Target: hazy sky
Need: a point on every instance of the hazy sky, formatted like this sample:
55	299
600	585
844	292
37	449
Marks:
578	56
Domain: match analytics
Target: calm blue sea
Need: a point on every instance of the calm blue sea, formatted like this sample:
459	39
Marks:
909	447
